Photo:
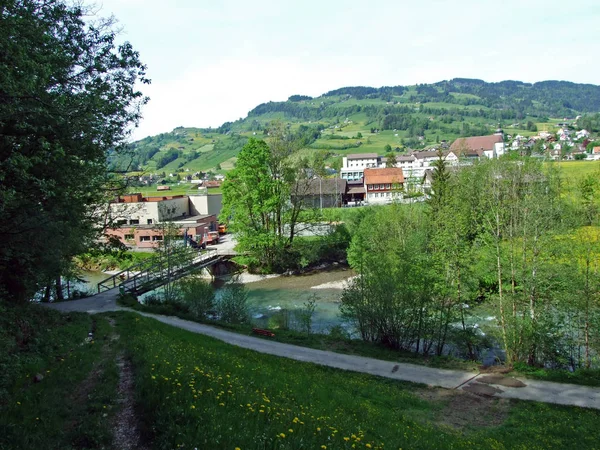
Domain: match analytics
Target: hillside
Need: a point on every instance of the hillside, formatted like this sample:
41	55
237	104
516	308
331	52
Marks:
366	119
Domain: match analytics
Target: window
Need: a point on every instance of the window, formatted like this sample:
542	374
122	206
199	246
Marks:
134	221
121	221
388	186
149	221
129	237
144	238
157	238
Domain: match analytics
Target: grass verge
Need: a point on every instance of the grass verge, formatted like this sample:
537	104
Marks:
57	387
197	392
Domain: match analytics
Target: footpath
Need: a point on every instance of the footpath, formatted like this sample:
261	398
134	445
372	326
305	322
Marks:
490	385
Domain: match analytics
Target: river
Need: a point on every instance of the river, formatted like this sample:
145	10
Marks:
275	299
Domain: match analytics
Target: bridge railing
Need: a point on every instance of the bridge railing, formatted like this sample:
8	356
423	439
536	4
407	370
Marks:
167	270
177	258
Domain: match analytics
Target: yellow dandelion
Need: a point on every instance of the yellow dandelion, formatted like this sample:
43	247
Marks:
281	435
368	445
318	429
290	430
323	446
193	407
346	438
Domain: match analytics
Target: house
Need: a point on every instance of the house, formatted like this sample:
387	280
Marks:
383	185
138	221
491	146
582	134
354	165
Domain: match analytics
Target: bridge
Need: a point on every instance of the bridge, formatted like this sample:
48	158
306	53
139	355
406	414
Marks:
159	270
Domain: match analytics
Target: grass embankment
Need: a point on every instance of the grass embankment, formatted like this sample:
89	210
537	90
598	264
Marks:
197	392
58	387
339	342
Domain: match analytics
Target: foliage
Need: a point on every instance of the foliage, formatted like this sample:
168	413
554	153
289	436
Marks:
232	306
198	296
497	232
264	197
305	315
68	97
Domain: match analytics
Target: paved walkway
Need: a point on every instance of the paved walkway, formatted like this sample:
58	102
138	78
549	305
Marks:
489	385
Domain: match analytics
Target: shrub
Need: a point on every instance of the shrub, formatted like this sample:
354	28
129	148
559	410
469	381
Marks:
232	307
198	296
305	315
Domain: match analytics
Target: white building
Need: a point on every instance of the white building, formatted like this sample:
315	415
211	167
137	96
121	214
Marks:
353	166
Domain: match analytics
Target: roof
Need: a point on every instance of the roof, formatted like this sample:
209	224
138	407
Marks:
356	190
325	186
477	143
388	175
363	156
405	158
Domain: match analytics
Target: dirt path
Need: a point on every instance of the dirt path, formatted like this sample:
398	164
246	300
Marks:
126	432
480	384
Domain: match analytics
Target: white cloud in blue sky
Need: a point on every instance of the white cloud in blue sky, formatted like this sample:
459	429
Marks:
212	62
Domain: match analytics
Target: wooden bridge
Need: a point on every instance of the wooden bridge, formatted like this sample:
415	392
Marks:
157	271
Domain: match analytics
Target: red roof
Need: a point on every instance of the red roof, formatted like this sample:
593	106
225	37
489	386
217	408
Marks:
476	143
383	176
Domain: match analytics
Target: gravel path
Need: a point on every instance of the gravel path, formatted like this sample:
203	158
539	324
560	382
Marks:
503	387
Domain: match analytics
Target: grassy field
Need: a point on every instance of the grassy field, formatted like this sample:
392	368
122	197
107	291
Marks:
198	393
58	389
195	392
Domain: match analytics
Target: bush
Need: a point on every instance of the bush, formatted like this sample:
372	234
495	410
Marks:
232	307
129	300
198	296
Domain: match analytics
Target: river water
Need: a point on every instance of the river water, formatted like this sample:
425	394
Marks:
273	300
276	299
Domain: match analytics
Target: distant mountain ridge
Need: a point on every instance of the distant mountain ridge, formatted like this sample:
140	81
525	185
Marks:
415	116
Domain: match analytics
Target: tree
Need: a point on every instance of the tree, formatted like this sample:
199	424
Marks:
387	148
391	160
67	98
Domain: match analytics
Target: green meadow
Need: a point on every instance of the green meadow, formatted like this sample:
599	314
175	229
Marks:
192	391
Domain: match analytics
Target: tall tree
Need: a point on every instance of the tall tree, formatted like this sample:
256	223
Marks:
67	97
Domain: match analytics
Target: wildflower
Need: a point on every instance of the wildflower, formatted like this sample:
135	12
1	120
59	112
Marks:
281	435
296	420
193	406
290	430
237	448
346	438
318	429
368	445
323	446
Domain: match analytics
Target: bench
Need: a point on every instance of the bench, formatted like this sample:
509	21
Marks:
263	332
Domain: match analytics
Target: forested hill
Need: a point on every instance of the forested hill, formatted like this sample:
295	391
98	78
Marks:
375	119
515	98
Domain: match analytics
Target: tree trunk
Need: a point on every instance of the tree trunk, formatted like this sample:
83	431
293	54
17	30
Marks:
59	291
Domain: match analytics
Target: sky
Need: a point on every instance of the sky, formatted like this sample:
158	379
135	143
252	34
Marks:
213	61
